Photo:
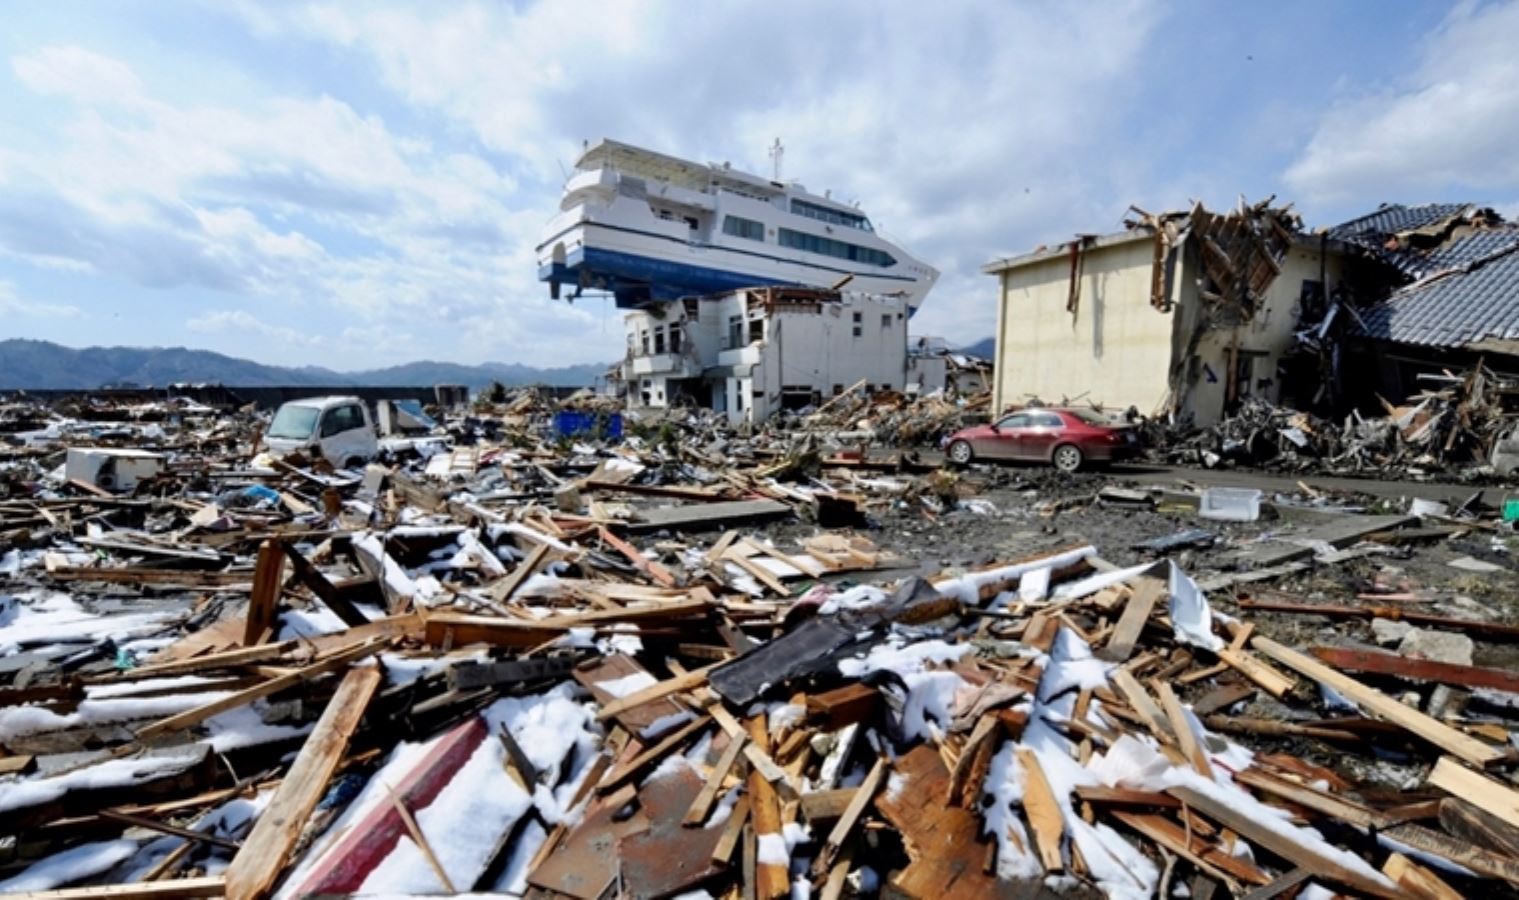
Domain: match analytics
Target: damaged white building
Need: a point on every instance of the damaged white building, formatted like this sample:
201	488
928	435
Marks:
753	352
1184	314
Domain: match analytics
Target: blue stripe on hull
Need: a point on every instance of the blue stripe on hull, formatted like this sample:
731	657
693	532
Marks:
635	280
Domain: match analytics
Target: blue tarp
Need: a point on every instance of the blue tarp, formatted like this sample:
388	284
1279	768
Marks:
569	423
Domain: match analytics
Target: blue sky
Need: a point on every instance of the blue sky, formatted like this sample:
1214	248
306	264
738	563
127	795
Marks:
361	184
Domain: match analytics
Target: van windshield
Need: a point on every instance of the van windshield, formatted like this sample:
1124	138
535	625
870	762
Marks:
293	422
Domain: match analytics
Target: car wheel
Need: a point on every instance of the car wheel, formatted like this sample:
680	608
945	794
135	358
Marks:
960	453
1067	458
353	462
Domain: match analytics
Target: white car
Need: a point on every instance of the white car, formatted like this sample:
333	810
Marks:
337	428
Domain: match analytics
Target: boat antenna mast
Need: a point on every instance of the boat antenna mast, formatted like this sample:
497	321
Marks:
777	152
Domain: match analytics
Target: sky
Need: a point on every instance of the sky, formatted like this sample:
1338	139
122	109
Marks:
362	184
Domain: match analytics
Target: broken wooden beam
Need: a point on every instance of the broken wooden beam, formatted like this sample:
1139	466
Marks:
264	854
1379	704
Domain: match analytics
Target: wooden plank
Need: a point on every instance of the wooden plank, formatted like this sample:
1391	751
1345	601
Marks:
1438	733
1043	812
141	575
1377	662
1416	879
272	686
1270	680
758	572
1465	820
1282	885
845	825
1437	843
772	881
1147	591
263	603
635	766
1480	791
842	706
1310	798
1186	738
651	568
264	853
986	727
1192	847
325	591
701	807
657	691
150	890
1142	703
227	659
502	590
1283	845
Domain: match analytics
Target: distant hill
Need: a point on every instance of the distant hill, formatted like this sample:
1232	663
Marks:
43	365
986	348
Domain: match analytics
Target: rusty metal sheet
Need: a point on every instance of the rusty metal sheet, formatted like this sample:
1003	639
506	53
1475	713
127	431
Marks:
668	858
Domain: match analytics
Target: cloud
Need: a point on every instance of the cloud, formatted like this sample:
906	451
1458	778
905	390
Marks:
75	72
238	322
938	118
404	180
11	304
1448	124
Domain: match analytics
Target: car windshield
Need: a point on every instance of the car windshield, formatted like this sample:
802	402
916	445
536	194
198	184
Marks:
293	422
1091	418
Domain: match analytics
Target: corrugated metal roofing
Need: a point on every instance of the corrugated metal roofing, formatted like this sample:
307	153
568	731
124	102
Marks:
1396	218
1459	308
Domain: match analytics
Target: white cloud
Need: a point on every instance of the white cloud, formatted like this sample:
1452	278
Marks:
12	304
938	118
239	322
1450	124
75	72
967	130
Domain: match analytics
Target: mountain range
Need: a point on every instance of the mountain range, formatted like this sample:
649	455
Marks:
41	365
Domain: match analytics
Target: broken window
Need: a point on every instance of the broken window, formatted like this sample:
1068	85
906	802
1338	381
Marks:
735	332
756	330
675	332
659	339
643	339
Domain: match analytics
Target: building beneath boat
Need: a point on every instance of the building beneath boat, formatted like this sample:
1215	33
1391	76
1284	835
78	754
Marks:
750	353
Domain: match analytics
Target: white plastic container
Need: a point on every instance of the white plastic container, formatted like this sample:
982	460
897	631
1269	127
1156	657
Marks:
1230	504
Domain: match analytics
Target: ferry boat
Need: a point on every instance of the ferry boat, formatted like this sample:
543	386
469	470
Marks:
647	227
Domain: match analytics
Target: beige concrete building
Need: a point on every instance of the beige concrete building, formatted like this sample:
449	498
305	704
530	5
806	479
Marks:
1185	314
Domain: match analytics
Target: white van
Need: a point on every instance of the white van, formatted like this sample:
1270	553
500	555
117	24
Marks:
337	428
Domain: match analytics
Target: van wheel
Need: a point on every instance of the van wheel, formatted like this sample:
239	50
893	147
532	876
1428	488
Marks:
1067	458
960	453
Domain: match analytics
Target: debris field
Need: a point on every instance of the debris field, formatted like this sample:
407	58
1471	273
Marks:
690	662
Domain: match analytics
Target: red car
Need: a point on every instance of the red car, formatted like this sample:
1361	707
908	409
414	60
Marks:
1065	438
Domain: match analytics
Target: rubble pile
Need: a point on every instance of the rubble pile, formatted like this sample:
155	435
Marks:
893	419
1453	428
564	665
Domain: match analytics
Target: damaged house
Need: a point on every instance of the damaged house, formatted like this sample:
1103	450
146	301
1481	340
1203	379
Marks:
1181	315
752	352
1451	289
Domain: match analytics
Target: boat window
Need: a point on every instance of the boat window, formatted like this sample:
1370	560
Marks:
830	215
744	228
816	243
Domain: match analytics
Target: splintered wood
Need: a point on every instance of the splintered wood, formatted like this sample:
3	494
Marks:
569	668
